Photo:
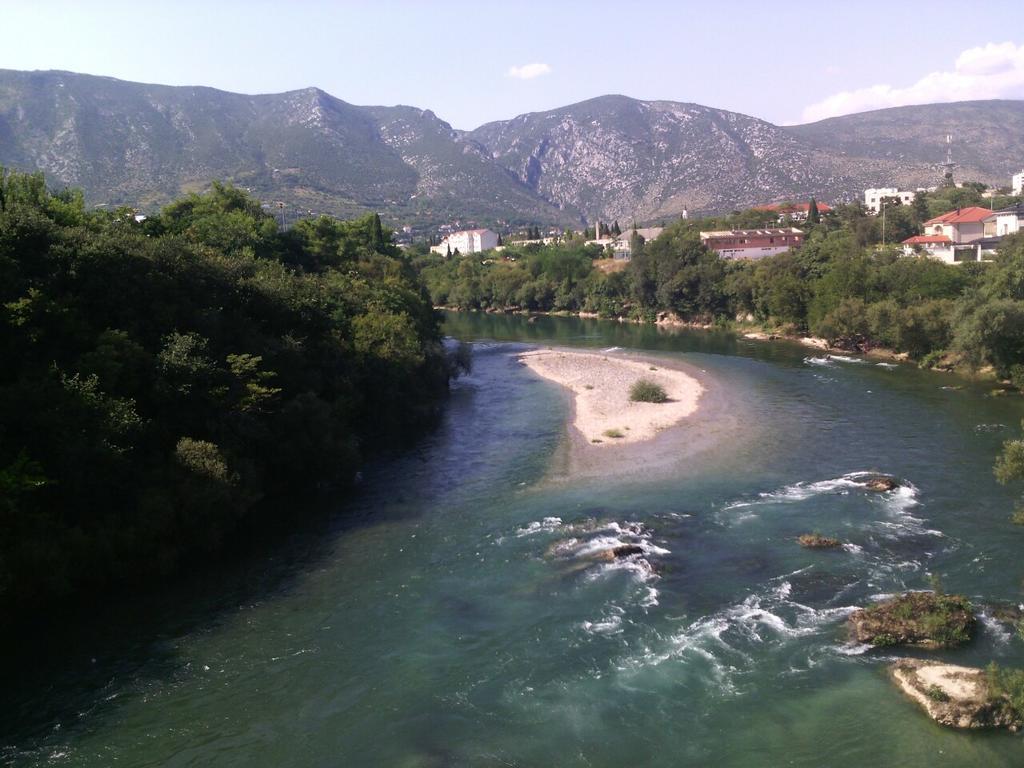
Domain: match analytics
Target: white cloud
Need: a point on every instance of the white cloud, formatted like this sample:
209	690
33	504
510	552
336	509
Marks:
529	71
992	71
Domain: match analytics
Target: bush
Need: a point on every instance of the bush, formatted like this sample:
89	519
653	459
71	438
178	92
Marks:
646	391
613	433
935	693
1008	683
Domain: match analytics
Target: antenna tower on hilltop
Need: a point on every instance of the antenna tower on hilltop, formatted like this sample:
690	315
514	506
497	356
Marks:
949	165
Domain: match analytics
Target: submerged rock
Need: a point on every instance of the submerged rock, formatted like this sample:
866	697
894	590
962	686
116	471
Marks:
817	541
959	697
922	619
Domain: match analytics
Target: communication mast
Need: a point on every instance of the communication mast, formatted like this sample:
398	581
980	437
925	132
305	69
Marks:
949	165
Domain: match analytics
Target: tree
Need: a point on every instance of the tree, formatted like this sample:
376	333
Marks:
813	217
376	234
920	208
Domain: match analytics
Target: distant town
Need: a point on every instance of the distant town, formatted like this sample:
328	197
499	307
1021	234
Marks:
963	234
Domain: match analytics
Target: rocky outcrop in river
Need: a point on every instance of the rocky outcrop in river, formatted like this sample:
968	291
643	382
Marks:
922	619
959	697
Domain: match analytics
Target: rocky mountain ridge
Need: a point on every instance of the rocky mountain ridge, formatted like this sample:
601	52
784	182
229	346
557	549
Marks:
612	157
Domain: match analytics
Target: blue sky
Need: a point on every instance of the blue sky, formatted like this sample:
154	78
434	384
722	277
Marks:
473	62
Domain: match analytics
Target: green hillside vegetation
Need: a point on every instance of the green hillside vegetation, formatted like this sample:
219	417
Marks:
842	285
161	379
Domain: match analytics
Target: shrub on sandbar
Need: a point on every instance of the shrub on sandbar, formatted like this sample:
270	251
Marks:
646	391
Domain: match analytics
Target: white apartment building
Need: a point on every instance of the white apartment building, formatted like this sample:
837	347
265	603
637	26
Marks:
873	197
1017	183
467	241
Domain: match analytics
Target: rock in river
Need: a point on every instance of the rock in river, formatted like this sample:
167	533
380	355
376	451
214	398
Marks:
959	697
881	483
923	619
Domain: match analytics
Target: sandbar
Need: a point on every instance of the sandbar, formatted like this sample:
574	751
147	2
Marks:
600	384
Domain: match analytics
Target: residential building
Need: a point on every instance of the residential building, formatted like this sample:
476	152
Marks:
467	241
622	247
752	243
794	211
873	197
942	248
1008	221
961	226
1017	183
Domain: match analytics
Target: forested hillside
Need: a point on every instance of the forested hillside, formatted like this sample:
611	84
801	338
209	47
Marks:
162	378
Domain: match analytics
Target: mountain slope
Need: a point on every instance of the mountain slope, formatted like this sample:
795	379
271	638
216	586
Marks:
612	156
145	144
909	143
621	158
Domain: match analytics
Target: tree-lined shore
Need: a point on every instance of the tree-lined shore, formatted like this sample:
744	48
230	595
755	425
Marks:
164	377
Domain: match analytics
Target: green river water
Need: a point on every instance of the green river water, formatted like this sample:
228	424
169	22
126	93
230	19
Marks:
422	624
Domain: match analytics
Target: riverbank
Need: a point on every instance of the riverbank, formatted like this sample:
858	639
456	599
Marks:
600	383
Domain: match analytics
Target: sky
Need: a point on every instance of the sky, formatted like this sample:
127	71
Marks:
475	62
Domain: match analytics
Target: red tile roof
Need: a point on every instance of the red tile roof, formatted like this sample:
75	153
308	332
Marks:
971	215
927	239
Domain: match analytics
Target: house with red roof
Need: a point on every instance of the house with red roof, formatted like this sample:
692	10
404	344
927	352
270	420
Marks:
752	243
964	225
966	234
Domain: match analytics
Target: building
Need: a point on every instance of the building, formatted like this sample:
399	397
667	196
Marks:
873	197
942	248
752	243
467	241
961	226
794	211
622	247
966	234
1017	183
1008	221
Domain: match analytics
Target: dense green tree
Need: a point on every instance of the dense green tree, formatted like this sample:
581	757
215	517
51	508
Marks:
162	379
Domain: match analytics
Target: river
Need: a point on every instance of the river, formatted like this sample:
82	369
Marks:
426	623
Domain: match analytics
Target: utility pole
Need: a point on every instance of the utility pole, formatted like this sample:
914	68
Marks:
884	203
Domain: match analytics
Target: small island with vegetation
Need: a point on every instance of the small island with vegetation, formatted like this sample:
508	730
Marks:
928	620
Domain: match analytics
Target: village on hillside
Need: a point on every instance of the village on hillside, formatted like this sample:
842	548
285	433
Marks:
964	234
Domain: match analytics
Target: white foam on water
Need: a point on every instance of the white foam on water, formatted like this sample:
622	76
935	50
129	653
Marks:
726	644
823	361
888	366
853	649
547	525
996	629
611	349
853	549
610	624
848	359
806	490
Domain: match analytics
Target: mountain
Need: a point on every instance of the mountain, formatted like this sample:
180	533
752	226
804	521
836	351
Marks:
129	143
622	158
612	156
618	157
908	144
